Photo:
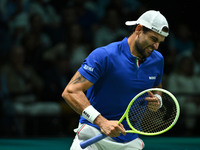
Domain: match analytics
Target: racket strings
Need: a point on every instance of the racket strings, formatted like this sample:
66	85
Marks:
145	120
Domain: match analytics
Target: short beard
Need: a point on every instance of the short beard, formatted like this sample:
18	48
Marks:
140	50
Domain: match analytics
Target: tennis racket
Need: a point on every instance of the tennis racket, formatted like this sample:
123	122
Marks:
143	120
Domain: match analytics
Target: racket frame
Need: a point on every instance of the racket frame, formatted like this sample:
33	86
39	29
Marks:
125	115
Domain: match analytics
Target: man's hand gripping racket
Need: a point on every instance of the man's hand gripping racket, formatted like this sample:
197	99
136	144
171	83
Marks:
144	116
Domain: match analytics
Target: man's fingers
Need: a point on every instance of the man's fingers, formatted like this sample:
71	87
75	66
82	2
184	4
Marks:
151	99
119	129
122	129
113	129
153	102
150	94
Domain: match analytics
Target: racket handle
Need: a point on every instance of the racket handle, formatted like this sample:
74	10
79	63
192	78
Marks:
92	140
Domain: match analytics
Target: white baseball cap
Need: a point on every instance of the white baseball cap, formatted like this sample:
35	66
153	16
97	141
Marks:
153	20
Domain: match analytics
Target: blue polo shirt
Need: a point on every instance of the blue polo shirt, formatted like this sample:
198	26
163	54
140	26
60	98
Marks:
117	79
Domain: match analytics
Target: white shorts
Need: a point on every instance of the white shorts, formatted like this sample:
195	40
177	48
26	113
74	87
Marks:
85	132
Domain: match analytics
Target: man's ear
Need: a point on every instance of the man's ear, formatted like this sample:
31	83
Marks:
138	29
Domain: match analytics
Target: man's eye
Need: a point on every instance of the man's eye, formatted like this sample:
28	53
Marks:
154	39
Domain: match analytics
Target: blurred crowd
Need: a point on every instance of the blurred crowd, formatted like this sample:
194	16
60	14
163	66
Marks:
43	43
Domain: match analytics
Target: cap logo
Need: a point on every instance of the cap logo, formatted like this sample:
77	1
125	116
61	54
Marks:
154	29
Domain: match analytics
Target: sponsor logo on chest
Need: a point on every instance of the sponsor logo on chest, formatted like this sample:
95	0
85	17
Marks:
152	77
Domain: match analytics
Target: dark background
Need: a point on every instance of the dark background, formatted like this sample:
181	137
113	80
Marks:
52	66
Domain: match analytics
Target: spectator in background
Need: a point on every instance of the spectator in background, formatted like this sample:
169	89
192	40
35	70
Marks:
183	79
170	61
46	11
56	76
10	9
35	43
37	28
111	28
26	86
23	82
74	47
182	41
186	85
14	13
79	49
76	12
87	19
18	27
68	17
9	122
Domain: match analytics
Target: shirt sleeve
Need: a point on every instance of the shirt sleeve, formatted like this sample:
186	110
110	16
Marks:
95	65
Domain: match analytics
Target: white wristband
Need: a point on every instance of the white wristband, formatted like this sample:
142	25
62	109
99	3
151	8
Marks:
90	113
160	99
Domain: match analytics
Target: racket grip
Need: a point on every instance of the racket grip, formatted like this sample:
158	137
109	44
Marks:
92	140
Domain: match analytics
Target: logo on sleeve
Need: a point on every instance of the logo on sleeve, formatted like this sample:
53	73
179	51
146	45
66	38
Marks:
86	67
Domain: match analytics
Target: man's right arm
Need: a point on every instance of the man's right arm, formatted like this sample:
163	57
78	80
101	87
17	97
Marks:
74	95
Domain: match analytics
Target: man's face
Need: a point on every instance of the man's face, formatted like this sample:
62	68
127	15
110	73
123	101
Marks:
147	42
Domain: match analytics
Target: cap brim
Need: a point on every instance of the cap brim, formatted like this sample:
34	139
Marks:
130	23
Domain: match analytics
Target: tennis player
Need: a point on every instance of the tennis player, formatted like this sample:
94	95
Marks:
111	76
